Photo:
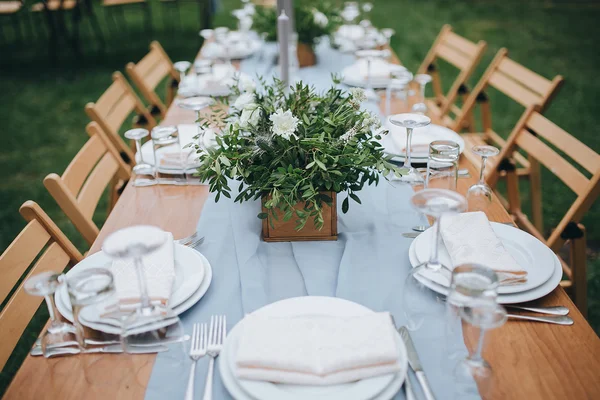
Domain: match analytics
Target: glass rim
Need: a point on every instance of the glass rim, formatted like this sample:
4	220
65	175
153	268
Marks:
80	276
476	268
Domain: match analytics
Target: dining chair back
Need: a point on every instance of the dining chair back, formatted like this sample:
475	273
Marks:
79	190
463	55
113	108
149	72
40	247
540	138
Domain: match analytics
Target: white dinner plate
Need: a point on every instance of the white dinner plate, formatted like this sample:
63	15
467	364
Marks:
192	280
355	74
421	139
239	48
383	387
509	298
531	254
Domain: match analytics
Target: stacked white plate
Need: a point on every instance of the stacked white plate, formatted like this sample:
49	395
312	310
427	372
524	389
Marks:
356	74
395	142
193	275
240	46
382	387
217	83
347	36
544	271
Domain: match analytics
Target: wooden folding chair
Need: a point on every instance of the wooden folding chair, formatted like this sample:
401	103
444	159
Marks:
92	170
537	136
149	72
460	53
40	247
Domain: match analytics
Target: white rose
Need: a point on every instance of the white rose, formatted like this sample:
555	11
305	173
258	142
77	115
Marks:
247	84
250	116
243	101
284	124
320	18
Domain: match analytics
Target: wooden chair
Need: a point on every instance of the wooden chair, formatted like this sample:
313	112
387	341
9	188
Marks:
460	53
537	136
40	247
149	72
79	189
111	110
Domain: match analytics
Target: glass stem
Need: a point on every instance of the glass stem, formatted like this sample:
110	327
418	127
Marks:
138	148
482	172
476	356
407	160
369	88
433	258
139	269
51	307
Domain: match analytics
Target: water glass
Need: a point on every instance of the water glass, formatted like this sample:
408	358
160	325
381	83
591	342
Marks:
170	161
442	165
396	92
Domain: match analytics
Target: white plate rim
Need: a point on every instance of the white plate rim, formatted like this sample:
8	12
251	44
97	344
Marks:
455	137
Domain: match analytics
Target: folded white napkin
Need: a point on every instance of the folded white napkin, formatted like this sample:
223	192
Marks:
470	239
316	350
159	270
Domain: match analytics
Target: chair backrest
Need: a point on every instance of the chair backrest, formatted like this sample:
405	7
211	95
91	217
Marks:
538	136
79	189
112	109
515	81
40	247
149	72
457	51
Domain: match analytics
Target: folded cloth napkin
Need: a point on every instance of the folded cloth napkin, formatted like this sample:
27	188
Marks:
159	270
316	350
470	239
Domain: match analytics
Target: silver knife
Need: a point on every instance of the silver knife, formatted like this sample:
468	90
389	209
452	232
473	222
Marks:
415	363
110	349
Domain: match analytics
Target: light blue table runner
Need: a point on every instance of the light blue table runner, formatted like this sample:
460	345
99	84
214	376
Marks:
367	264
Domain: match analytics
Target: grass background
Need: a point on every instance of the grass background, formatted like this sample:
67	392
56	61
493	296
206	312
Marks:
41	104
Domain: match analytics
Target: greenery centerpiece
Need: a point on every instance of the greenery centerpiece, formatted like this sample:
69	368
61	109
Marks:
295	149
313	19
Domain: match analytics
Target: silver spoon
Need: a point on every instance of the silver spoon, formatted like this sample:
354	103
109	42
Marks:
556	310
558	319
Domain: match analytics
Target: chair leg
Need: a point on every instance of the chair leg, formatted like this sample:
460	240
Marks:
535	192
579	271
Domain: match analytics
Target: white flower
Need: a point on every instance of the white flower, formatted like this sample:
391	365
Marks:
346	137
247	84
250	116
243	101
284	123
372	121
358	94
320	18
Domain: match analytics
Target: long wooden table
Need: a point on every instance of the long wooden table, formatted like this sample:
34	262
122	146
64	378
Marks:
530	360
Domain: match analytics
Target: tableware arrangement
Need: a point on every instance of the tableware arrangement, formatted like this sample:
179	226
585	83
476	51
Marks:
410	122
480	194
211	80
198	347
442	165
415	362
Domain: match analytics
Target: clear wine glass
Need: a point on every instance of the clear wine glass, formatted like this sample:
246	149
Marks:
397	89
144	172
60	336
222	37
182	67
422	80
369	56
473	375
170	160
387	34
479	196
442	165
196	104
410	122
419	303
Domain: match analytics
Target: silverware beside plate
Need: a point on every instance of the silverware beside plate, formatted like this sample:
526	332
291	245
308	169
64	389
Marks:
554	310
552	319
415	362
109	349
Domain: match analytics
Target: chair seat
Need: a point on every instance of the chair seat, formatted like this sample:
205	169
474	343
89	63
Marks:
54	5
108	3
10	7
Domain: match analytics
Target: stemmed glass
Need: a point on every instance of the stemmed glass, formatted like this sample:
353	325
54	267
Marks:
397	86
144	172
422	80
369	56
182	67
410	122
196	104
479	196
417	297
60	337
221	35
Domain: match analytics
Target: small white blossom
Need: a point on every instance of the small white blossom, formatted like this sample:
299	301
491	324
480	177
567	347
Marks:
243	101
358	94
346	137
247	84
250	116
249	9
320	18
284	123
372	121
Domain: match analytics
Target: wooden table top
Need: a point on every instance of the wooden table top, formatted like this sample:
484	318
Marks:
530	360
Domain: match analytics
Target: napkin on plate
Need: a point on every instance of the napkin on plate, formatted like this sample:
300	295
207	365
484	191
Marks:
316	350
159	270
470	239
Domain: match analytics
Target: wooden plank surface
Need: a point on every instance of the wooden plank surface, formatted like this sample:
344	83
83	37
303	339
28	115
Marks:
530	360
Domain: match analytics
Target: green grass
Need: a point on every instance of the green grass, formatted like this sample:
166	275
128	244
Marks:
41	105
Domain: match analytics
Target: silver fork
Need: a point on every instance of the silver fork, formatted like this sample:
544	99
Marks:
198	349
191	241
216	337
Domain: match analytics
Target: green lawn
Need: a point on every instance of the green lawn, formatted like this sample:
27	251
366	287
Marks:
41	105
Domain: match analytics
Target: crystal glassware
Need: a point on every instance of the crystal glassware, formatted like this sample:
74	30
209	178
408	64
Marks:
182	67
369	56
396	89
479	196
422	80
442	165
170	160
410	122
473	374
144	172
423	311
59	335
196	104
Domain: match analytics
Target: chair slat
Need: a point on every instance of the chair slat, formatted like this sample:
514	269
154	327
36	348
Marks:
113	95
78	170
553	161
459	60
96	183
461	44
525	76
20	254
567	143
157	74
514	90
123	109
148	62
22	306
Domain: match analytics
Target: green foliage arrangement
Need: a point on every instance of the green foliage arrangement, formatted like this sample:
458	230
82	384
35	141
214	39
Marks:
313	20
291	146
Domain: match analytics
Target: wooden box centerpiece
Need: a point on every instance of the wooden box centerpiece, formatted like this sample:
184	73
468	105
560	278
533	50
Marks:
295	151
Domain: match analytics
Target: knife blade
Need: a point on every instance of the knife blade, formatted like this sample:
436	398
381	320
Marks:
110	349
415	363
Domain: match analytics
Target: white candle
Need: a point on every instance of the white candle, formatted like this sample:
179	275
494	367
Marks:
288	6
283	36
